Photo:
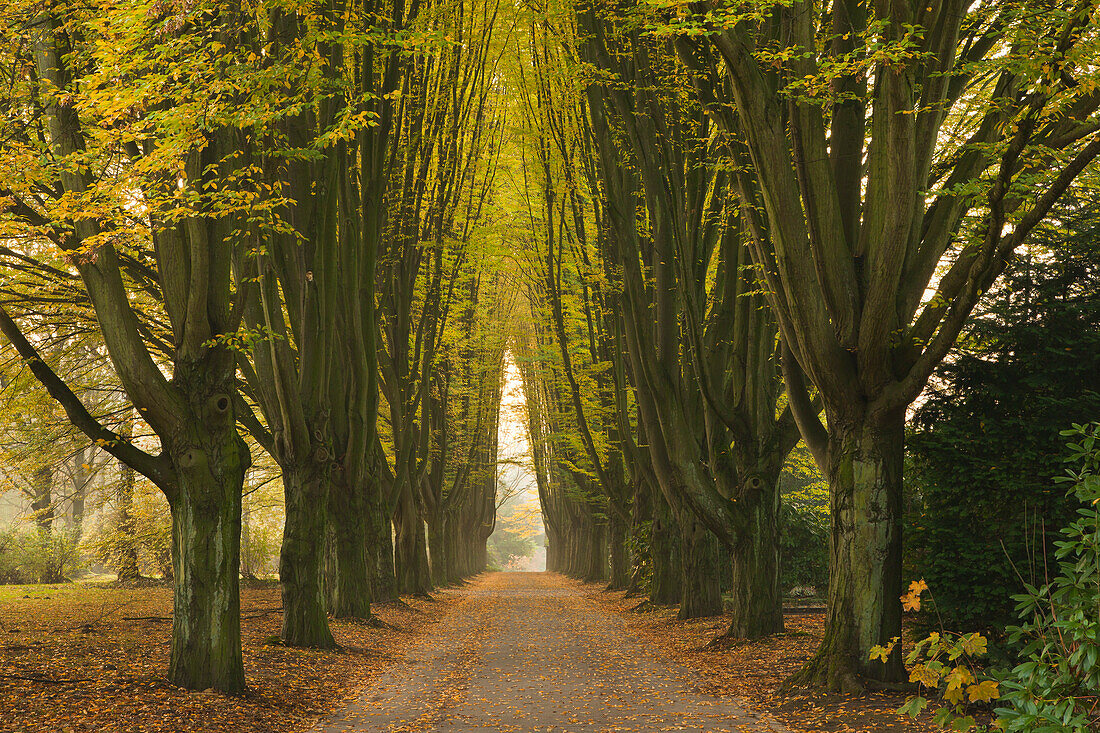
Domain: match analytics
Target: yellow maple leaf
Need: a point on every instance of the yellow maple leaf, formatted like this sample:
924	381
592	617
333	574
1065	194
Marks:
974	644
925	676
911	600
883	652
985	691
956	679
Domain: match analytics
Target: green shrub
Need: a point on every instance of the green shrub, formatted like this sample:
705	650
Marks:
984	446
36	556
1054	686
1054	689
804	542
803	524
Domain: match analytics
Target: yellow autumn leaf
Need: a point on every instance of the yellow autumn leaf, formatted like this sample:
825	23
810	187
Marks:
911	600
882	653
974	644
985	691
925	676
956	679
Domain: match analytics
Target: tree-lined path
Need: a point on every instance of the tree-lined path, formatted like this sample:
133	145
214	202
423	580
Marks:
527	651
716	301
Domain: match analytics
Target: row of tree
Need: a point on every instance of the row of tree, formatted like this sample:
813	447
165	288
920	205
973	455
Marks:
701	226
754	223
265	216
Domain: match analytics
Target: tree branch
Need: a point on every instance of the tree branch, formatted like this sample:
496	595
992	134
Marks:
155	468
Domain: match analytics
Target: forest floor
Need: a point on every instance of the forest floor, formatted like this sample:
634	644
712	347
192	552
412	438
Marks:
89	657
753	671
506	652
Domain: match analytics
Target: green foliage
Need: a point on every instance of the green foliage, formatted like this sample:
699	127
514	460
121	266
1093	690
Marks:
148	531
984	445
804	524
37	556
1054	688
638	546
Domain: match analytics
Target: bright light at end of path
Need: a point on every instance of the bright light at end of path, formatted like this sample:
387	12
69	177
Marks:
518	542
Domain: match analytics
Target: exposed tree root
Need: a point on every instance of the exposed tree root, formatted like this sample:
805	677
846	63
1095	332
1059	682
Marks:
828	672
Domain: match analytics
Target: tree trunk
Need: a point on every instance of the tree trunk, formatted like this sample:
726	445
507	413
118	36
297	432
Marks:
438	556
383	573
305	622
411	560
619	532
700	594
594	564
351	588
206	532
640	539
865	480
42	499
664	551
80	497
422	580
553	552
756	593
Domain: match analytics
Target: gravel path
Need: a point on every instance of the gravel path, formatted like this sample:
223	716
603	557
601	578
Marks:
528	652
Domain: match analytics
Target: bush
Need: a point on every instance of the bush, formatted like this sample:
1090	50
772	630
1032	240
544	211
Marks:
37	556
1056	686
804	539
985	446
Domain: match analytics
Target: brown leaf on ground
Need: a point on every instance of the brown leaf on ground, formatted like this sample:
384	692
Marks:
754	670
70	661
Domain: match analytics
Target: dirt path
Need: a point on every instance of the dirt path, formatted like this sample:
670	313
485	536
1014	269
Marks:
528	652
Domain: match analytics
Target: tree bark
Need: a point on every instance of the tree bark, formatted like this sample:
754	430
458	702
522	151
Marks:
594	563
618	534
352	585
700	594
664	549
210	462
42	499
305	623
756	593
865	457
438	555
411	558
383	572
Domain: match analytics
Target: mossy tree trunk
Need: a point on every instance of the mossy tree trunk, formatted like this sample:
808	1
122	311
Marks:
664	549
700	585
619	551
411	550
305	623
865	459
210	461
757	598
